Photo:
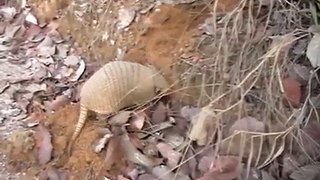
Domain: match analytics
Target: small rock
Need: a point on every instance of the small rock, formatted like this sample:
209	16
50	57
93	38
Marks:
71	60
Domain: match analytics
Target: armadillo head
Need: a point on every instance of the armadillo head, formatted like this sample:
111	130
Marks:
160	83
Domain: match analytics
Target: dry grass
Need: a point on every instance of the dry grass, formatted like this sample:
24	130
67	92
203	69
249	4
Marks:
249	52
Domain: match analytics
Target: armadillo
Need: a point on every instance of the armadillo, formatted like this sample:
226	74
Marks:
116	85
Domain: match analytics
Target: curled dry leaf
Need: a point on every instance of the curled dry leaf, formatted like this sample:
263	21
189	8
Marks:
133	154
224	168
102	142
126	16
138	120
200	125
313	50
79	72
247	124
31	18
292	91
43	142
121	118
169	153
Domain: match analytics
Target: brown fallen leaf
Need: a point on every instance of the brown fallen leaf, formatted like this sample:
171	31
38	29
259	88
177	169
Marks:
224	168
3	26
191	166
163	173
43	143
160	113
299	72
62	50
146	177
174	139
188	112
310	138
47	47
121	177
32	31
121	118
11	31
169	153
55	36
247	124
308	172
292	91
133	173
52	173
205	163
201	124
37	38
59	102
136	141
71	60
290	164
115	157
132	153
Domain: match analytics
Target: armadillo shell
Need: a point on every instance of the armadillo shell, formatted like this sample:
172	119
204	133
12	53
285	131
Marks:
117	85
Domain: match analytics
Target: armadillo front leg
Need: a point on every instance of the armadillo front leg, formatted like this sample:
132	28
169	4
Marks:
81	121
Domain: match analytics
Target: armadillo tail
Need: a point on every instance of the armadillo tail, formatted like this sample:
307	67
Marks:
79	126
